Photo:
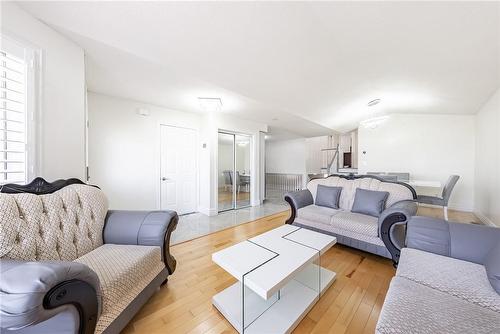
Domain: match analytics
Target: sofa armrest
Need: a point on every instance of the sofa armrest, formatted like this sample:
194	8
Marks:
468	242
297	200
33	292
391	225
145	228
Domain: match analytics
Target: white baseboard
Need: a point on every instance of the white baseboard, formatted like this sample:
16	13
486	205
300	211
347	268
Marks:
484	219
451	206
208	211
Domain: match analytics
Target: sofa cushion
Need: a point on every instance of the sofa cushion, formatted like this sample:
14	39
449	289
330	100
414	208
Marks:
462	279
369	202
410	307
492	265
356	222
316	213
124	271
328	196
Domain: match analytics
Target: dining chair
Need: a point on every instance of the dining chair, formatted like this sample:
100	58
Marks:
445	197
228	179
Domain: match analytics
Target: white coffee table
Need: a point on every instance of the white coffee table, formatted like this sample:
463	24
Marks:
279	279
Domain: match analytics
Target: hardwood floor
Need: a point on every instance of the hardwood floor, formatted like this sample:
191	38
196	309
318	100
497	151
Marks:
453	215
351	305
183	305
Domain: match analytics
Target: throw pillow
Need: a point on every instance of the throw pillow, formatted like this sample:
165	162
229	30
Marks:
328	196
369	202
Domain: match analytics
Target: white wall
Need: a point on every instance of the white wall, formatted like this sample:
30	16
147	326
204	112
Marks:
286	156
124	155
429	147
487	186
61	119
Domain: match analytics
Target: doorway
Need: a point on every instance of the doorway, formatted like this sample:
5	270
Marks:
234	172
178	188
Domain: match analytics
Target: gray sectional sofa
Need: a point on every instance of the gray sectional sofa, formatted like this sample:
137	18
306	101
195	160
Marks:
447	281
351	220
68	265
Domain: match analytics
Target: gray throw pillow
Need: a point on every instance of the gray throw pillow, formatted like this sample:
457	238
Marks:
369	202
492	266
328	196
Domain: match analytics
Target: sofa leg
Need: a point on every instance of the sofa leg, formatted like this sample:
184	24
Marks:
164	282
445	209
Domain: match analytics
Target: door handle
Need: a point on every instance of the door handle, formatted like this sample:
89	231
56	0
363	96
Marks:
164	179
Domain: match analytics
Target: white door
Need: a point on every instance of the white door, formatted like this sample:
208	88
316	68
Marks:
178	169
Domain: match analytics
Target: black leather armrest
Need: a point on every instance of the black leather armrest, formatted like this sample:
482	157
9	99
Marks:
146	228
33	292
392	226
297	200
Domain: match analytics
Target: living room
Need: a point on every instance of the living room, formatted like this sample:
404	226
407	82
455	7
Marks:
258	167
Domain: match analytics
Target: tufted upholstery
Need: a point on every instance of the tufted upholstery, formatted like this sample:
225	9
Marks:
396	191
64	225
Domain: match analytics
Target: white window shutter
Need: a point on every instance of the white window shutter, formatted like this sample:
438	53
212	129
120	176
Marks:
13	118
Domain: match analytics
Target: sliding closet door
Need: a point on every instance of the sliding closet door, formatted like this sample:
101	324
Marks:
226	188
242	172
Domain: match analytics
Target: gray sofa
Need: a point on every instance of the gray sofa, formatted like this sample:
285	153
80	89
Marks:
68	265
366	232
447	281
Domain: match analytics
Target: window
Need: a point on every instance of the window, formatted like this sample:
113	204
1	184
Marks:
15	96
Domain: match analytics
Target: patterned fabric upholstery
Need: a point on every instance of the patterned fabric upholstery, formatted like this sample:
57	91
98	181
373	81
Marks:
335	230
397	192
410	307
356	222
340	220
317	213
124	271
63	225
462	279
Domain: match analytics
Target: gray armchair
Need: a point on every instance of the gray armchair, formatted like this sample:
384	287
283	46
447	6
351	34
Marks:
445	197
71	266
447	280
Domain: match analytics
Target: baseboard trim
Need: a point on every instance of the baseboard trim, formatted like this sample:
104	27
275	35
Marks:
453	207
485	219
207	211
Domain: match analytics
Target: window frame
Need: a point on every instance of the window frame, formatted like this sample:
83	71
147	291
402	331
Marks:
32	58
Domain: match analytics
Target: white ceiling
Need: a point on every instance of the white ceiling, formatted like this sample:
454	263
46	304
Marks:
310	66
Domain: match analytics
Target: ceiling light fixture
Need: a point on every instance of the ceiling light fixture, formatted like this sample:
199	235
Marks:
210	104
373	102
373	123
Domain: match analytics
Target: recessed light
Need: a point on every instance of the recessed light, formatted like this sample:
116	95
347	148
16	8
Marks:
373	102
210	103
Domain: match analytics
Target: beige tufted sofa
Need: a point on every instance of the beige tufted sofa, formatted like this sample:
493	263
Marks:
68	265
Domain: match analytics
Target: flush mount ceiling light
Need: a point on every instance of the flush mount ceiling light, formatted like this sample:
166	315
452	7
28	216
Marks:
210	104
373	123
373	103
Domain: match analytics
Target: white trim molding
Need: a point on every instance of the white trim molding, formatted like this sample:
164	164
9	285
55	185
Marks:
484	219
